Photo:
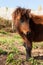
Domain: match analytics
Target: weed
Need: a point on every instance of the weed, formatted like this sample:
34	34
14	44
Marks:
10	58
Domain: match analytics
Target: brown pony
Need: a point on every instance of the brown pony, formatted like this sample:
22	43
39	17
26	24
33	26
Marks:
29	26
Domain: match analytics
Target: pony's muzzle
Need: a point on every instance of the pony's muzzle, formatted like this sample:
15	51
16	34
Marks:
29	35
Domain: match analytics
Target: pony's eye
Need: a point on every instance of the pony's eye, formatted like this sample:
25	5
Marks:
22	19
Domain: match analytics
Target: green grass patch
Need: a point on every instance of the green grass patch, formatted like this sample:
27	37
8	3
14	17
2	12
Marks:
34	61
10	58
6	40
10	39
2	52
37	45
3	32
18	38
15	50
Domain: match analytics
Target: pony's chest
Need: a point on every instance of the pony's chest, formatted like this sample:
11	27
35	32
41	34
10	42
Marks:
38	33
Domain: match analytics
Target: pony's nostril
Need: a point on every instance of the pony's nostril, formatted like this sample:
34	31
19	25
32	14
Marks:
28	33
29	36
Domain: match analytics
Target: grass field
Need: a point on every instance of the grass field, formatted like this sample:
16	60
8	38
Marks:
12	51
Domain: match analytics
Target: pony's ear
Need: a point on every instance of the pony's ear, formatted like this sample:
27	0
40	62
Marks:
29	12
18	10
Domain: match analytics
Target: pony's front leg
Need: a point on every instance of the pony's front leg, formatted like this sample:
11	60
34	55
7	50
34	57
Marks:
28	50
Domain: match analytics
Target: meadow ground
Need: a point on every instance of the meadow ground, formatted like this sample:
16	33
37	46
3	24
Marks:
12	51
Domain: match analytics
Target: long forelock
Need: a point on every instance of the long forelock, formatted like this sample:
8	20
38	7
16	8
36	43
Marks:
21	11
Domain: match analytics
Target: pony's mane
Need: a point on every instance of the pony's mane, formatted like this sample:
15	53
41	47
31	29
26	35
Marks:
21	11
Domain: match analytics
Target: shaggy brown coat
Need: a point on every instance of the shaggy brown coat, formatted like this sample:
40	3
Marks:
29	26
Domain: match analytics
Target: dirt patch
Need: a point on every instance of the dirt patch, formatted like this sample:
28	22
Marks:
3	59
